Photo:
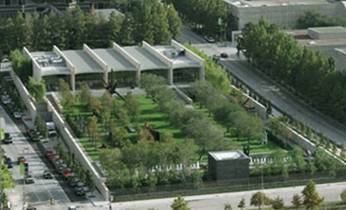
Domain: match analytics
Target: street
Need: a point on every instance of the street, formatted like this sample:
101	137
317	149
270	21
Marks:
43	189
330	192
241	69
189	37
285	101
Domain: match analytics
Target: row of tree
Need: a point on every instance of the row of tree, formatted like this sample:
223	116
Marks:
128	161
309	199
211	17
194	124
148	20
214	73
316	19
227	112
306	72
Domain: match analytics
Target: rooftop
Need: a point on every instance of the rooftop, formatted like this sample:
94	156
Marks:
227	155
106	13
177	56
145	58
114	60
323	42
50	63
328	30
83	63
271	3
341	50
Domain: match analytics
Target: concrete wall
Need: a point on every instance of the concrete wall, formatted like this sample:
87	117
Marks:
296	138
69	64
25	95
340	60
126	55
76	149
36	69
183	96
95	57
157	54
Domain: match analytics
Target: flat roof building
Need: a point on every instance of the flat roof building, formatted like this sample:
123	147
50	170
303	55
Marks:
224	165
330	41
126	64
283	13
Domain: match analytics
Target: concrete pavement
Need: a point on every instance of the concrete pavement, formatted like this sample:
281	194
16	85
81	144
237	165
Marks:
330	192
188	36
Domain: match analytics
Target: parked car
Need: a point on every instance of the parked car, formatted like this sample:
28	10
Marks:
50	154
8	162
34	136
73	181
8	139
224	55
209	39
72	208
79	192
17	115
29	179
47	175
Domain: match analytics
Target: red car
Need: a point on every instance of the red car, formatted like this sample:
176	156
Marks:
67	172
50	154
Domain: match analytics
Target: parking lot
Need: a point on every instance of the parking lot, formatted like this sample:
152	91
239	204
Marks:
43	189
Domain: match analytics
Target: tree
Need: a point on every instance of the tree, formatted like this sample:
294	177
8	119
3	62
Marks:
85	93
311	199
41	126
66	94
162	33
92	129
241	204
343	196
132	106
297	155
228	206
277	203
259	199
174	21
117	135
114	27
296	201
179	204
21	65
126	34
37	89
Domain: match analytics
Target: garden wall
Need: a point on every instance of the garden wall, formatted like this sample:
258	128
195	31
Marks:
75	148
25	95
296	138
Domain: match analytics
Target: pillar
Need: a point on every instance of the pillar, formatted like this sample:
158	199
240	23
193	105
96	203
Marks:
170	76
73	82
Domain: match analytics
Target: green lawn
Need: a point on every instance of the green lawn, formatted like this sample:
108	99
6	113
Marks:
255	146
149	113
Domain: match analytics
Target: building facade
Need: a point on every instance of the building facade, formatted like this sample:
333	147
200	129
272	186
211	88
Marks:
283	13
